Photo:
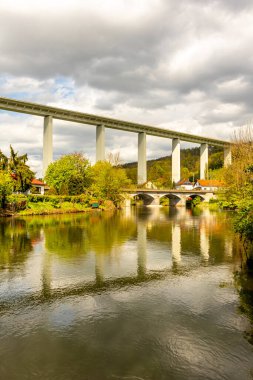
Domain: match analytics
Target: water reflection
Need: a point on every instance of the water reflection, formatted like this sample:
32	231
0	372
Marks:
176	243
15	243
146	294
79	253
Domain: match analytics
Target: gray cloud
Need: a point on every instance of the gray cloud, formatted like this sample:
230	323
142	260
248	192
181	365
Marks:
187	64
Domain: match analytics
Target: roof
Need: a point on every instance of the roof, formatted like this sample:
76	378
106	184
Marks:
38	182
34	181
210	182
183	182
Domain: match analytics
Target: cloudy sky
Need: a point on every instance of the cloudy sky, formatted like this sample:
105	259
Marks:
185	65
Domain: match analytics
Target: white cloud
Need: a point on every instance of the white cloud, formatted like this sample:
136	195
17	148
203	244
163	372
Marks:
181	65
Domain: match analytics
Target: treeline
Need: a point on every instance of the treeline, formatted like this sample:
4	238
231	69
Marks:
238	195
159	170
69	176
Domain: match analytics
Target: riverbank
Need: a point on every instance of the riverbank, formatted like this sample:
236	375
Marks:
21	205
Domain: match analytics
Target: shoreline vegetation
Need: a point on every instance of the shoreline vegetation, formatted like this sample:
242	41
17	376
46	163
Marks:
33	204
102	183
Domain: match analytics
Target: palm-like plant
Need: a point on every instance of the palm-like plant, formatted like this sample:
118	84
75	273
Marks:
23	174
3	161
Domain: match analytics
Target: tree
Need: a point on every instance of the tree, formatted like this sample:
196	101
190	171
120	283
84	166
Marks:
3	161
236	175
6	187
108	181
216	160
70	174
239	182
114	158
22	173
160	173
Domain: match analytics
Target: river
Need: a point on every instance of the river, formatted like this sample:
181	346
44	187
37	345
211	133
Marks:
144	293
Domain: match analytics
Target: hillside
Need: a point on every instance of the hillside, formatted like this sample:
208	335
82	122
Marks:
159	170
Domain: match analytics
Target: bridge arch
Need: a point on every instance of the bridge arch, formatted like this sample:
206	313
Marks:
174	199
147	199
191	198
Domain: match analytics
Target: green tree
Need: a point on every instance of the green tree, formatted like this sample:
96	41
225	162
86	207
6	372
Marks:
3	161
18	167
6	187
239	182
69	175
216	160
108	181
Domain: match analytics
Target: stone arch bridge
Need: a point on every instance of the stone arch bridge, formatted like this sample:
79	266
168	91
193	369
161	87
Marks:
176	197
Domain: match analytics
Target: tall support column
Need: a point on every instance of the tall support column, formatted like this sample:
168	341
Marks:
176	160
47	142
142	161
100	143
227	156
203	161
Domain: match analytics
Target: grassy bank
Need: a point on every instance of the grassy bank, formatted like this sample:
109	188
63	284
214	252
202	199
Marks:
19	204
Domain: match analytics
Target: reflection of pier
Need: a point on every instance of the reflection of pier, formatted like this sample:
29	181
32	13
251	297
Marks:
204	242
142	249
141	270
81	289
176	243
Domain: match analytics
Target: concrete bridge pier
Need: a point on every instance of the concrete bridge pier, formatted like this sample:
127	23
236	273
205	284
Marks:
100	143
142	160
127	202
156	200
177	200
203	160
176	160
227	156
47	142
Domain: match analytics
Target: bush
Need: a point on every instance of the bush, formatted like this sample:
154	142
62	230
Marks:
16	202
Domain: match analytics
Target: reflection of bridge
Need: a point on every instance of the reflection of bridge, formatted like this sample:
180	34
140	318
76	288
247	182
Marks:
50	113
145	269
176	197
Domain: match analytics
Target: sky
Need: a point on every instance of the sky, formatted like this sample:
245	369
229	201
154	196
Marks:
182	65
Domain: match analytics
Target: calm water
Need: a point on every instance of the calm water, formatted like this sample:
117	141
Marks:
149	293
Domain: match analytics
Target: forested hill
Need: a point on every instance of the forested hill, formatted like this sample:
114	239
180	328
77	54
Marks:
159	170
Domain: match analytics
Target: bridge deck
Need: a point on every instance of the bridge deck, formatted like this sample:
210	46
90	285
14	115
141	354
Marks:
84	118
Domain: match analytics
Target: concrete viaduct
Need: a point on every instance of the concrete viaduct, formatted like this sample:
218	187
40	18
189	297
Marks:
49	113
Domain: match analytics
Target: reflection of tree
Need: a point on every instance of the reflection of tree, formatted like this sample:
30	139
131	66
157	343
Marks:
16	242
244	285
78	235
104	233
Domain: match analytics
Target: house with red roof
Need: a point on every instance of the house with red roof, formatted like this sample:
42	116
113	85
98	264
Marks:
184	184
208	184
39	186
